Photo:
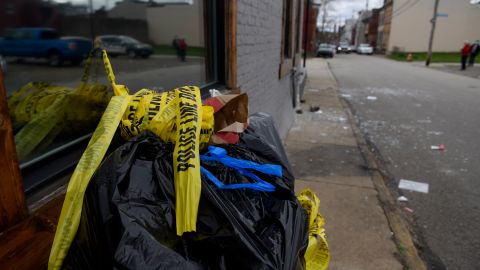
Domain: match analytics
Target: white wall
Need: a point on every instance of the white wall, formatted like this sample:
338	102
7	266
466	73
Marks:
411	27
186	21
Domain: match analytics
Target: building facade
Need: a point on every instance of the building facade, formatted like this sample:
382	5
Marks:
372	34
384	25
458	21
269	46
348	31
361	31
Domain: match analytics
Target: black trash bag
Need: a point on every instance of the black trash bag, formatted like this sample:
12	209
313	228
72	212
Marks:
128	218
261	137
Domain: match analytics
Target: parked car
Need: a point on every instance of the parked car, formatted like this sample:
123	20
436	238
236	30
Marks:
123	45
365	48
325	49
44	43
344	47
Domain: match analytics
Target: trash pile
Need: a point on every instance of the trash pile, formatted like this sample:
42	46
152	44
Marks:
196	185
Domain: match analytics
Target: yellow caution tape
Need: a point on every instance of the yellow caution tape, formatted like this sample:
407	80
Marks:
186	158
176	116
47	111
89	162
317	256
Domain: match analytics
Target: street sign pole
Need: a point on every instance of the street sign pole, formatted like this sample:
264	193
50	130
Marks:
432	32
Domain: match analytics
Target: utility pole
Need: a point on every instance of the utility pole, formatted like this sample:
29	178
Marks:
432	32
305	33
366	5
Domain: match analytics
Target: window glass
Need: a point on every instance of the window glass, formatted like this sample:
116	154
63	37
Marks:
157	44
48	35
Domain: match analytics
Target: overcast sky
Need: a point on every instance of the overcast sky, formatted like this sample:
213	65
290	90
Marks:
345	8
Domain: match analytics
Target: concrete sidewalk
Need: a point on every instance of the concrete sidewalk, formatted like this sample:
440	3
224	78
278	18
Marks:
324	154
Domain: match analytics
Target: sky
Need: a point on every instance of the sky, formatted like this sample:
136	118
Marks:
343	9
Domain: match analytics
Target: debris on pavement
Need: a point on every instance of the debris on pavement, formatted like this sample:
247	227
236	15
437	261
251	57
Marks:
424	121
346	95
440	147
437	133
314	108
413	186
402	199
372	98
410	210
319	112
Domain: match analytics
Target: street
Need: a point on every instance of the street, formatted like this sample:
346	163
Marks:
403	110
157	72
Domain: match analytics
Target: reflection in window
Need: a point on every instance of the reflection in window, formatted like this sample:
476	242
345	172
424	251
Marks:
152	44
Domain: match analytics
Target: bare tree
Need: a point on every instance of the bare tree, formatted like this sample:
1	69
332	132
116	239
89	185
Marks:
326	8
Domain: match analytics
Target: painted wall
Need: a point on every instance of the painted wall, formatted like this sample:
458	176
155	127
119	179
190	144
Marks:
410	29
186	21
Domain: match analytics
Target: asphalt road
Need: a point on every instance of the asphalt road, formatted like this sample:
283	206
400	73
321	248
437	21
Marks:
161	72
416	107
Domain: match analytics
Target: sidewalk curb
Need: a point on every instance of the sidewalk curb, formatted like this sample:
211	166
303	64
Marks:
401	232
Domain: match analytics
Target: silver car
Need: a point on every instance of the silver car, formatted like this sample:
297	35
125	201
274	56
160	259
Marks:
365	48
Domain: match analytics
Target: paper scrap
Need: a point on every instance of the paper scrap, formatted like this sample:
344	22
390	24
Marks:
408	209
346	95
371	98
413	185
438	147
402	199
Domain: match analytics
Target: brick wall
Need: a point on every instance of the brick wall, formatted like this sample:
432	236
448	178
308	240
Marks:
259	37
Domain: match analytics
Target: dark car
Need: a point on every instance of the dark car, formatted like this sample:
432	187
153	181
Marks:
44	43
325	49
123	45
344	47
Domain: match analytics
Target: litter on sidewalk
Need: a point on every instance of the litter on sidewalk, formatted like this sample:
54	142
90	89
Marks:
402	199
413	186
314	108
440	147
372	98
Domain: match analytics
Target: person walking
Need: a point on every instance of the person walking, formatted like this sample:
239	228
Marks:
465	54
474	51
182	47
175	45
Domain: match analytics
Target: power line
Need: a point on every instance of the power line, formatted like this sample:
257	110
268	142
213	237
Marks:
407	8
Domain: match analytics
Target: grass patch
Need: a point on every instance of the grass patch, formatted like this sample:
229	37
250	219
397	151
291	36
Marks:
169	50
437	57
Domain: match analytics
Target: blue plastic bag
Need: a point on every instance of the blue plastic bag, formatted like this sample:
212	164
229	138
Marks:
242	166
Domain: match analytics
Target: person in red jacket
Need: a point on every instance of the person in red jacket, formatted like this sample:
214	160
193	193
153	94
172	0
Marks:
465	54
